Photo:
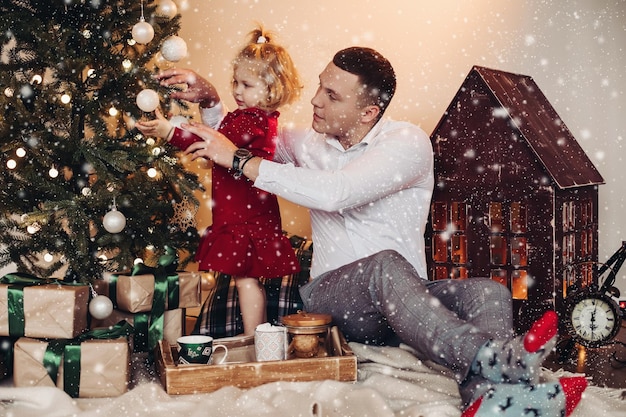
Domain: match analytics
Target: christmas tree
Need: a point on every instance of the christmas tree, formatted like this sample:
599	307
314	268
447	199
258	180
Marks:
81	191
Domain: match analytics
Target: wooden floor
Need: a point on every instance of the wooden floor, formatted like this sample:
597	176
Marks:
606	365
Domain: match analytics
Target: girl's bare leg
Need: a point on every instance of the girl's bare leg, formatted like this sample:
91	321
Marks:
252	303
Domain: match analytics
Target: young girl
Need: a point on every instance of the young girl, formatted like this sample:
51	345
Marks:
245	239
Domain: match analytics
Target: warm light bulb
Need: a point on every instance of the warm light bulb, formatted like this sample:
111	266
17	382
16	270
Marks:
127	64
113	111
36	79
152	172
91	72
53	172
8	92
11	164
150	141
20	152
33	228
48	258
65	98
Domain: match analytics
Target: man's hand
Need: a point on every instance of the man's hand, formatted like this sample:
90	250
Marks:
215	145
196	90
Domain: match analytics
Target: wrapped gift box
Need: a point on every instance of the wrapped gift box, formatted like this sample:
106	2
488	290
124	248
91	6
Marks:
173	327
135	293
104	366
50	311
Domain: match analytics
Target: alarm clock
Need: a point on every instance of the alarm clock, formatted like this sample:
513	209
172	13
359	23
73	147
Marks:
592	318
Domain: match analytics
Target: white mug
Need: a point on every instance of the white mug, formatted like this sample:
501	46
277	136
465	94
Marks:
270	343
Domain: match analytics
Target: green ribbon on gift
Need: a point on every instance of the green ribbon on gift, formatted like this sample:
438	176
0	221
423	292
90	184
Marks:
17	281
112	284
68	350
165	285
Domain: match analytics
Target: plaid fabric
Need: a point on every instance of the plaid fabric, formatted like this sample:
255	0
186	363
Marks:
220	315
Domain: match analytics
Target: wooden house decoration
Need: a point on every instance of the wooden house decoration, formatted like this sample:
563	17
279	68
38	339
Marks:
515	198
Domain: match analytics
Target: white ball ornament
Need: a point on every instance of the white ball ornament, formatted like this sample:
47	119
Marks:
100	307
176	121
167	9
143	32
114	221
147	100
174	48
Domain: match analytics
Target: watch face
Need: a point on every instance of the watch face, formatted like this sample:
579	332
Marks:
594	320
242	153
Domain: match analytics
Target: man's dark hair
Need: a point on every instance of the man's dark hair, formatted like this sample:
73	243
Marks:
374	71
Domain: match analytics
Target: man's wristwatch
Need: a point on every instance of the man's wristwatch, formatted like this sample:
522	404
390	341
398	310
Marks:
239	160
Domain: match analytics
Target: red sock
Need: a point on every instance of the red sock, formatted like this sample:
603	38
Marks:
541	332
473	408
573	388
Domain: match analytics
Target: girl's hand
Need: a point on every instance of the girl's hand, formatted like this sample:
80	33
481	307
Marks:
159	127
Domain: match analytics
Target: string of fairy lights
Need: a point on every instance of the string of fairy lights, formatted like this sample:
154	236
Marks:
173	49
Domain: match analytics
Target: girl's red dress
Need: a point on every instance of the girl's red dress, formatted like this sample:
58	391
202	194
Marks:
245	239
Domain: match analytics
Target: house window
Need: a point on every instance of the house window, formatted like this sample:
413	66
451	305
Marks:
519	251
449	241
578	244
518	217
519	285
495	217
508	246
498	249
458	249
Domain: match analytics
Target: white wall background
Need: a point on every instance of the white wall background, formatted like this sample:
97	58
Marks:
574	49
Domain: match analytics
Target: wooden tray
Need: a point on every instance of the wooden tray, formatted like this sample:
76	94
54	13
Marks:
335	361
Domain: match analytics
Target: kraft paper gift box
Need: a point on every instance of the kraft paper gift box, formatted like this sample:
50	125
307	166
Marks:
49	311
135	293
104	367
172	326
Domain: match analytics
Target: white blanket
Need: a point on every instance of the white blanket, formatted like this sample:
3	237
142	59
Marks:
391	382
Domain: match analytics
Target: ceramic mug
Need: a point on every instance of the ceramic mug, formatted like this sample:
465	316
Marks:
270	343
198	349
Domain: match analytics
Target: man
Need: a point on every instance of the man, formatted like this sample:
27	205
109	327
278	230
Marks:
368	182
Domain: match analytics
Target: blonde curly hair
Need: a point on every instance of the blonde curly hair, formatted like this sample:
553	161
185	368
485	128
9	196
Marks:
277	70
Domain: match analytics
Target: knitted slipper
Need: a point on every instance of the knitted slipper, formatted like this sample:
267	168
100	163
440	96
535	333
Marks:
518	359
515	400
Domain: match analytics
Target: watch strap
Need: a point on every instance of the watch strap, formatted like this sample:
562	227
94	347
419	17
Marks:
239	161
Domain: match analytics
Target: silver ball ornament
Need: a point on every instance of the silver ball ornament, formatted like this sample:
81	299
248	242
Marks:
100	307
167	9
114	221
174	48
143	32
147	100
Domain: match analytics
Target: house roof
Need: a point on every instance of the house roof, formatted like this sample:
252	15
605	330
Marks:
542	128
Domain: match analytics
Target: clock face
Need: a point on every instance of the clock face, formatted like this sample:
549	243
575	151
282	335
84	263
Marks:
594	320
